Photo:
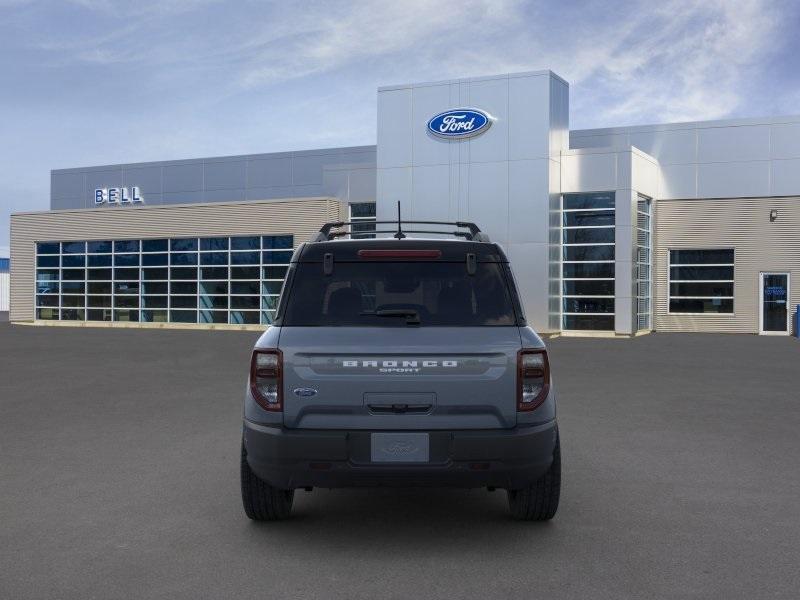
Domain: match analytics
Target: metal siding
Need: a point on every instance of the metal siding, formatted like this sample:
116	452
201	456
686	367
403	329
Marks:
248	177
299	217
479	179
759	245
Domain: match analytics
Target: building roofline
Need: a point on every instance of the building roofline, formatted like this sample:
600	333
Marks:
401	86
687	125
220	159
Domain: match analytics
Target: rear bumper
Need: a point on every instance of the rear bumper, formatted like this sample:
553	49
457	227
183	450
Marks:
503	458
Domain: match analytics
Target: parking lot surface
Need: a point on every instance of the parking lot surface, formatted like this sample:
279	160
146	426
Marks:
119	479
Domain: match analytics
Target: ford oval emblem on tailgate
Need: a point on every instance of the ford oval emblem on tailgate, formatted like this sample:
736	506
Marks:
304	392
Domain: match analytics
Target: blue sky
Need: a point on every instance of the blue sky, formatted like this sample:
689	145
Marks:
90	82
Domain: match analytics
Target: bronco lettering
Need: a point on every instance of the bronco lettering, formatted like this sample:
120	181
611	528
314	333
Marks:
393	364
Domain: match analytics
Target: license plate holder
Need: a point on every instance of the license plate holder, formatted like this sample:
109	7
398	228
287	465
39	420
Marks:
400	447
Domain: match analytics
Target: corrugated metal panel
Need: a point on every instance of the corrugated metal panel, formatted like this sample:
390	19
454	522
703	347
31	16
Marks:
3	291
299	217
742	224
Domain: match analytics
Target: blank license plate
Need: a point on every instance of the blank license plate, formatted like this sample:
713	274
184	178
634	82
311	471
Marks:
400	447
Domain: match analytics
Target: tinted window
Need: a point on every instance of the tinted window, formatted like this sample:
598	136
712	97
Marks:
277	242
589	200
150	260
589	236
588	253
183	258
588	270
47	247
183	245
701	289
98	247
589	288
214	243
214	258
47	261
126	246
245	243
365	294
588	305
701	257
100	260
73	274
244	258
701	305
700	273
73	247
100	274
588	218
154	245
73	260
362	210
276	257
126	260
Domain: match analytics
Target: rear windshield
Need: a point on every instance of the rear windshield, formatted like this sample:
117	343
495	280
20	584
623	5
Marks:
399	294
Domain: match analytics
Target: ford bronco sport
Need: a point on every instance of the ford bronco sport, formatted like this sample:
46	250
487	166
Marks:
400	362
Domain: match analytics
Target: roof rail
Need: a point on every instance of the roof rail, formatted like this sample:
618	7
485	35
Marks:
326	232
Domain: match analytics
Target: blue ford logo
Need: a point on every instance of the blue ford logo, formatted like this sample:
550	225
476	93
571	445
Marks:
304	392
460	123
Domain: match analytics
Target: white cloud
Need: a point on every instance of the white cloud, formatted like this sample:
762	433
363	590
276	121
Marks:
692	62
627	61
322	39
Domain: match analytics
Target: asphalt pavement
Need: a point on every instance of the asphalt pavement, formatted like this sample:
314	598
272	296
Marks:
119	478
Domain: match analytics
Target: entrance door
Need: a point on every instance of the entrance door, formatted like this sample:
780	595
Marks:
774	317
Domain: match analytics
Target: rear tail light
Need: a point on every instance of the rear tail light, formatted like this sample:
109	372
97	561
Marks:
533	378
266	378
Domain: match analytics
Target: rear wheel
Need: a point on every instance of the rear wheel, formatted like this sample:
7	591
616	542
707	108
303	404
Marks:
261	501
539	501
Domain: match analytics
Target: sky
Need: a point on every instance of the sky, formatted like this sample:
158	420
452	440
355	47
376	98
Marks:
93	82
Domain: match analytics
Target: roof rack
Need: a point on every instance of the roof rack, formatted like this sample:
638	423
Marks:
326	232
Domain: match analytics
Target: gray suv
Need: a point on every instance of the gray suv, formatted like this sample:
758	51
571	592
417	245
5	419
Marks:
401	361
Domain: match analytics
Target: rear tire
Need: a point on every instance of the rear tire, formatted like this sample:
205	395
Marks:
261	501
539	501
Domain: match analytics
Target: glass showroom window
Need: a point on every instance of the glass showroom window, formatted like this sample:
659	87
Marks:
233	280
701	281
644	230
362	215
588	261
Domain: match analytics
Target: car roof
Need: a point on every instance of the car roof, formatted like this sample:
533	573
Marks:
451	249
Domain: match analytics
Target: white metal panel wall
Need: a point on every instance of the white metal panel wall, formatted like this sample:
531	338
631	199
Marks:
741	224
299	217
713	159
506	180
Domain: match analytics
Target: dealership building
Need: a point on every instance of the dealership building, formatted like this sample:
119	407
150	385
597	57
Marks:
617	231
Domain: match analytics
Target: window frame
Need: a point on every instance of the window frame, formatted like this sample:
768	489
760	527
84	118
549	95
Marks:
670	281
360	220
564	244
270	254
647	201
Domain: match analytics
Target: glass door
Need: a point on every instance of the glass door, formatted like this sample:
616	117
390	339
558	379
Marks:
774	295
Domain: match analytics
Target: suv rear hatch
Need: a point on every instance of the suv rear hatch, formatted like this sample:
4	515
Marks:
423	338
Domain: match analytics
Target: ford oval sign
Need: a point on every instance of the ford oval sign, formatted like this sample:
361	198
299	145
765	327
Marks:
459	123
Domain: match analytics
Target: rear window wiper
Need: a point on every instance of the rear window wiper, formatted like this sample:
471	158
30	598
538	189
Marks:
411	315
